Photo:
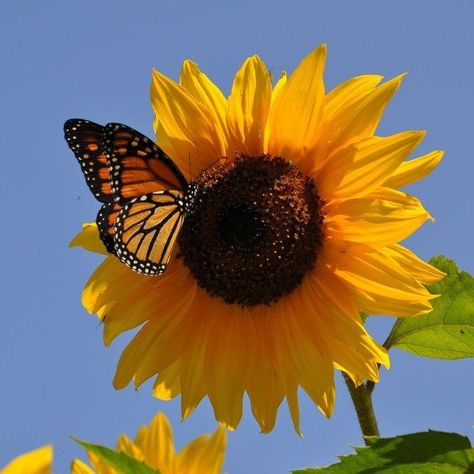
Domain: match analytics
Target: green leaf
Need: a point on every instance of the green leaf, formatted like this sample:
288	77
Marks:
448	331
121	462
428	452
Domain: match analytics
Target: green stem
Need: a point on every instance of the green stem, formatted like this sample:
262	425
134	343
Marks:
362	399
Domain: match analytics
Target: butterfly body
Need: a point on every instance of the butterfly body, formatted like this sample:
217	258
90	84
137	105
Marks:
144	194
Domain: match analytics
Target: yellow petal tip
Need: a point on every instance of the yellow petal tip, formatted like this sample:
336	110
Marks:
190	67
395	82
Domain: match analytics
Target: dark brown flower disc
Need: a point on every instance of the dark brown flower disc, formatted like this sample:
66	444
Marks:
254	229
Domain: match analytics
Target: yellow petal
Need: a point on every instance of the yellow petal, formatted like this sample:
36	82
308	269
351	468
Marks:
122	298
365	115
281	358
80	467
249	102
229	365
127	446
266	395
111	315
414	170
169	333
108	274
112	290
275	91
350	346
88	238
381	218
299	359
313	366
279	85
380	286
297	109
358	169
186	123
168	385
343	96
194	363
338	109
155	347
203	455
99	466
354	122
207	93
38	461
291	389
422	271
264	388
133	355
156	442
168	345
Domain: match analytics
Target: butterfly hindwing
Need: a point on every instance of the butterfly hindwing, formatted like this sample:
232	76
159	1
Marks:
137	166
105	221
146	229
83	138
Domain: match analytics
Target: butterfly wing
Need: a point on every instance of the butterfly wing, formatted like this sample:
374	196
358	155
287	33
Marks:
140	219
105	221
146	230
137	166
83	138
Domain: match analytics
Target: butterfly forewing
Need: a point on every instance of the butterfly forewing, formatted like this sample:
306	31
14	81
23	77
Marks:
83	138
137	166
146	230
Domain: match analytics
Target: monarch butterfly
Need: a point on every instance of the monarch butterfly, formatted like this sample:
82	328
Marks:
144	194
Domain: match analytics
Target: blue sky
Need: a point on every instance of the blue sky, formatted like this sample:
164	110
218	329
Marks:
93	59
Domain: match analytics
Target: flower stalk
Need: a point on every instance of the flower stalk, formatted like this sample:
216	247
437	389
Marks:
362	399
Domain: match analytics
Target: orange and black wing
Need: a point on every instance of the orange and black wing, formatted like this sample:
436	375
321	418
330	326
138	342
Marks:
146	230
137	166
83	138
105	221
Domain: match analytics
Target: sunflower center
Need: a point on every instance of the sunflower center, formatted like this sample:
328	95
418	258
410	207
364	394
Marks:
241	226
254	229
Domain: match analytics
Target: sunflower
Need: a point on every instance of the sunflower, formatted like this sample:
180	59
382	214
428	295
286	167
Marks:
290	237
38	461
154	446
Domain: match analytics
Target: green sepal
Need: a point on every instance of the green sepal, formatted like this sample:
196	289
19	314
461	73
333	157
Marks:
363	316
447	332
